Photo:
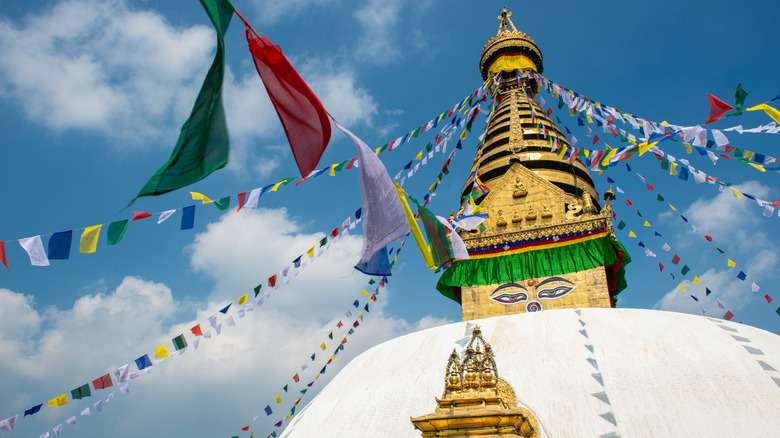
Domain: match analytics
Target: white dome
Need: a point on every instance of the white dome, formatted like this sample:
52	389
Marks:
588	372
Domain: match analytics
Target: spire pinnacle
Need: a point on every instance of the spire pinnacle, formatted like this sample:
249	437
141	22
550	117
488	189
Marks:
504	21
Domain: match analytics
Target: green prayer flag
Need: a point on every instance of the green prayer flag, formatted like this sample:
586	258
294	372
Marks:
560	103
80	392
621	225
257	289
719	250
660	198
203	143
116	231
340	166
351	331
438	239
285	388
303	391
685	270
223	204
665	163
330	335
428	147
778	311
739	98
372	281
323	241
179	342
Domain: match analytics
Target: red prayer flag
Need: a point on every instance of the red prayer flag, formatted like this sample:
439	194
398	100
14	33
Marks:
728	315
340	324
350	164
768	299
196	330
355	324
709	238
595	139
629	202
303	117
549	111
649	187
140	215
272	281
335	232
241	201
661	267
103	382
245	428
2	255
296	378
717	108
676	259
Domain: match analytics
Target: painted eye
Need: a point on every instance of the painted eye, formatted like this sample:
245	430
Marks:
555	292
509	298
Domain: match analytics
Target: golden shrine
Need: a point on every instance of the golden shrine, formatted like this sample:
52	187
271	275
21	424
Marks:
547	243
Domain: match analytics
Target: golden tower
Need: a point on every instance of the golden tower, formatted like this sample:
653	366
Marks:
547	243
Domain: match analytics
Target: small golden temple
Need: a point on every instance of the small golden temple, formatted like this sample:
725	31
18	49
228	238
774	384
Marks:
547	243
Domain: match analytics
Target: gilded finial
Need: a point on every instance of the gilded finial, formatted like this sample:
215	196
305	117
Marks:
504	21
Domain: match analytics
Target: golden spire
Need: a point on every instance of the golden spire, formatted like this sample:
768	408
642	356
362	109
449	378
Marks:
505	22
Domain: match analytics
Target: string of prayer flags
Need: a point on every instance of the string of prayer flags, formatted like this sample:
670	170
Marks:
203	143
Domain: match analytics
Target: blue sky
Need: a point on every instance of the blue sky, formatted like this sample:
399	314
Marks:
93	95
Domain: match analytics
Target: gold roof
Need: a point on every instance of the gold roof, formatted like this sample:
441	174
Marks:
508	39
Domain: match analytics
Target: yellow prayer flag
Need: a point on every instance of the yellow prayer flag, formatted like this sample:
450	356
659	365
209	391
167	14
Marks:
276	186
242	300
463	135
59	401
672	168
748	155
758	166
771	112
200	197
696	280
419	156
418	238
730	263
672	206
644	147
736	193
161	352
288	416
647	224
332	171
310	252
364	293
322	346
631	234
681	286
688	149
590	120
376	151
89	239
278	399
562	151
360	315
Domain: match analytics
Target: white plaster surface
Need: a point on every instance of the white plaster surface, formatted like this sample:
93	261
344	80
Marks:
663	374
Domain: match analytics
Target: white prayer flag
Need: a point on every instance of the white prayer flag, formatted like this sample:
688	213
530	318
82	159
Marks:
85	411
57	429
71	420
254	196
384	218
122	372
666	247
719	137
165	215
98	406
769	210
34	248
45	435
649	253
7	425
230	320
213	320
110	396
196	342
720	304
755	287
124	389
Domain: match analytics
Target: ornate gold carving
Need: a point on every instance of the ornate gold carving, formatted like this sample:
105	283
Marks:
546	212
476	402
516	218
520	190
531	215
500	220
494	238
516	142
574	209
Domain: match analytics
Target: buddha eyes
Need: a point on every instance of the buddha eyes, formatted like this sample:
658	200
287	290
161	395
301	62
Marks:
509	298
555	292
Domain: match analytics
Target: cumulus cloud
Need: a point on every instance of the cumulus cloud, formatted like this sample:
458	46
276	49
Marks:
100	65
378	19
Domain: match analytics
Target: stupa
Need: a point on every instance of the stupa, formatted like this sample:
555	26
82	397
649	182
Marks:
541	351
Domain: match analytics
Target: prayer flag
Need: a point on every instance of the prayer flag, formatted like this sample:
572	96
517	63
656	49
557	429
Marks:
720	304
696	280
268	410
162	352
322	346
80	392
34	248
272	281
203	143
303	117
116	231
224	310
242	299
103	382
694	298
730	263
187	217
438	238
681	286
143	362
771	112
2	255
741	275
278	399
754	287
676	259
7	425
59	245
140	215
621	225
59	401
728	315
767	297
685	270
739	98
179	342
717	109
707	291
384	219
661	267
33	410
196	330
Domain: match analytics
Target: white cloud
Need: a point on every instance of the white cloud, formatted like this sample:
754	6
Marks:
272	11
337	88
378	19
100	65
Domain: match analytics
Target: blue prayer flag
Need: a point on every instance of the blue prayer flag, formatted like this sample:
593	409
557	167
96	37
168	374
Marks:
188	217
59	245
143	362
225	309
268	410
741	275
33	410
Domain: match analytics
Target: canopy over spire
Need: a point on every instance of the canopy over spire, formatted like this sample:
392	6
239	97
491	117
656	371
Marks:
509	50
